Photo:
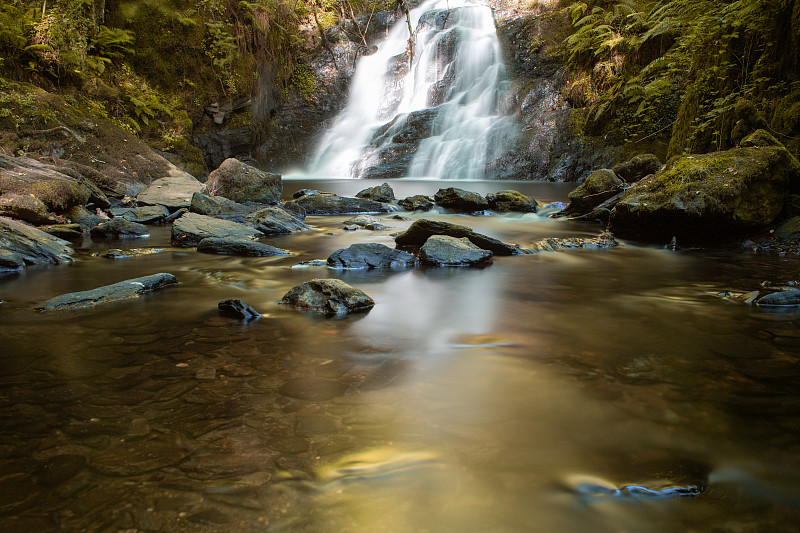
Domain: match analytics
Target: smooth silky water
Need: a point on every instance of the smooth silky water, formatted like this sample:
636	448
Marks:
535	394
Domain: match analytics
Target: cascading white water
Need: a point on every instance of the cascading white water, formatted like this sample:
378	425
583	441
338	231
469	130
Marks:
439	117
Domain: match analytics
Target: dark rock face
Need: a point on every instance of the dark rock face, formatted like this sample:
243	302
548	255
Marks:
330	297
68	232
511	202
226	246
421	230
417	202
22	245
220	206
781	299
173	192
119	228
598	187
276	221
443	250
709	197
331	204
243	183
638	167
237	309
191	228
147	214
25	207
381	193
217	146
459	200
123	290
371	255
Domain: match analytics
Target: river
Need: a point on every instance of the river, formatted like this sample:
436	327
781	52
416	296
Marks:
580	390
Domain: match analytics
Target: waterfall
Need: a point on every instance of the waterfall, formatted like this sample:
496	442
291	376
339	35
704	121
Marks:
439	115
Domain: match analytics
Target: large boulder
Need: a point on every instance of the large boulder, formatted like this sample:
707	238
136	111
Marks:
637	167
276	221
240	182
192	228
708	197
215	206
173	192
421	230
511	202
331	204
459	200
25	207
123	290
119	228
418	202
330	297
380	193
598	187
443	250
22	245
226	246
363	256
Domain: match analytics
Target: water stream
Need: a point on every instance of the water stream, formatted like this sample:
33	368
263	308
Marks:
583	390
437	114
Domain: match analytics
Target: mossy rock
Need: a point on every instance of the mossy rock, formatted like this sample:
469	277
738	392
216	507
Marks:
597	188
760	138
709	197
638	167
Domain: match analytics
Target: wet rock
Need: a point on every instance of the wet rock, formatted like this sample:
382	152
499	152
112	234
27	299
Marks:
789	231
116	253
417	202
460	201
366	222
84	217
511	202
380	193
276	221
370	255
227	246
173	192
331	204
790	298
202	204
149	214
419	231
240	182
603	241
330	297
637	167
192	228
68	232
598	187
313	389
443	250
237	309
22	245
25	207
119	228
123	290
708	197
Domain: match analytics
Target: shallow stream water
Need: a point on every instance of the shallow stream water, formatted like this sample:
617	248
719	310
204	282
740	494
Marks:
580	390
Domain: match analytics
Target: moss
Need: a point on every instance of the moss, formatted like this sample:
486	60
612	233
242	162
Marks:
61	195
303	80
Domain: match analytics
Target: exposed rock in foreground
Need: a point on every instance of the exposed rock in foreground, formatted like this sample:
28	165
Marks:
22	245
331	204
240	182
419	231
330	297
443	250
225	246
371	255
709	197
192	228
789	298
602	241
600	186
173	192
123	290
149	214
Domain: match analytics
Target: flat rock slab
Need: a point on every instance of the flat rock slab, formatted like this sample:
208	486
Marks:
240	182
224	246
443	250
192	228
781	299
363	256
118	253
331	297
419	231
148	214
331	204
173	192
123	290
22	245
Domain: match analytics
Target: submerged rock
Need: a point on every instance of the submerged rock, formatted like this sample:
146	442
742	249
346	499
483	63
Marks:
123	290
380	193
227	246
84	217
240	182
331	204
418	202
443	250
330	297
237	309
460	200
217	206
192	228
173	192
276	221
119	228
419	231
511	202
370	255
22	245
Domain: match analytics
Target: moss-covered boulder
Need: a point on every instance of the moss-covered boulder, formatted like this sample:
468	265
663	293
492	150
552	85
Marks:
637	167
760	138
511	202
708	197
240	182
599	186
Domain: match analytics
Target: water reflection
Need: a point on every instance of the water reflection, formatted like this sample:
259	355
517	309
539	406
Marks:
466	400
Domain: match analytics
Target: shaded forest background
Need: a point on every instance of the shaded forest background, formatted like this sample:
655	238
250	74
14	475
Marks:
693	75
